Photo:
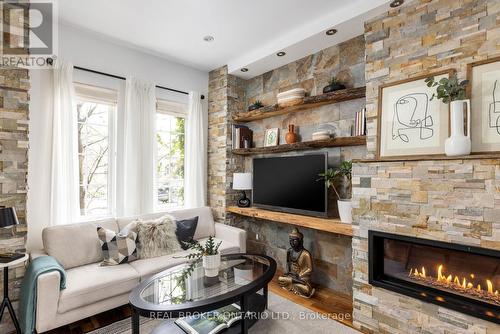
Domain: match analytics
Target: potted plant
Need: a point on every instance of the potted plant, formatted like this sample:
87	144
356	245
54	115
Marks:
333	85
256	105
452	91
340	180
208	253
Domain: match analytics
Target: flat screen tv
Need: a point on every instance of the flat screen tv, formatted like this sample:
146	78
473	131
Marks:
290	184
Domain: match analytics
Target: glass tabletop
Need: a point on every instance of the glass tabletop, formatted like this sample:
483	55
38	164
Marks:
174	286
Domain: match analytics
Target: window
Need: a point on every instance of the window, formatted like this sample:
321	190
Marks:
96	109
170	139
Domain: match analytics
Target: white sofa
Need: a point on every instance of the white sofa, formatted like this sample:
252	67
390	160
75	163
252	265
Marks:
92	289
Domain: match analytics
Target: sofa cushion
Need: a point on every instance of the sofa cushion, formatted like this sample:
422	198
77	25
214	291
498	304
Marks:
206	225
80	238
185	231
117	248
157	237
91	283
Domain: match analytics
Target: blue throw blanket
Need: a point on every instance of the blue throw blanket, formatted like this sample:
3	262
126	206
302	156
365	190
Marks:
27	302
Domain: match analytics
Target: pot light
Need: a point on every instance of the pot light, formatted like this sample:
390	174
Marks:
396	3
331	32
244	69
208	38
281	54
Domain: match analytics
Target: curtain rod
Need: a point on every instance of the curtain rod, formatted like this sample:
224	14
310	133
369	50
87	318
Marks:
123	78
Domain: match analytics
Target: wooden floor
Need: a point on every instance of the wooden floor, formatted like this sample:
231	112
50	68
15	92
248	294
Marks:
325	301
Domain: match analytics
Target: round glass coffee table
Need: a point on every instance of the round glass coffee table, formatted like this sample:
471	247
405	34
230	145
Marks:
173	294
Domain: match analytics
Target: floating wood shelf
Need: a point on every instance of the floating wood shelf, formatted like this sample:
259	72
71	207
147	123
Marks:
473	156
315	223
307	145
310	102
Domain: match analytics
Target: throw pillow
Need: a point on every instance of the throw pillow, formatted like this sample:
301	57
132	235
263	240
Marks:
116	248
157	237
185	231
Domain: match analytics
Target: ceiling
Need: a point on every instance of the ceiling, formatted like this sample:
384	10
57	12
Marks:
247	33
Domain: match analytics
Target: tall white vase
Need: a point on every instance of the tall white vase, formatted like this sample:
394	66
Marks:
458	143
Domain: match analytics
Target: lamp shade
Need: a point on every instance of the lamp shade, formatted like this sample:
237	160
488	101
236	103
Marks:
8	217
242	181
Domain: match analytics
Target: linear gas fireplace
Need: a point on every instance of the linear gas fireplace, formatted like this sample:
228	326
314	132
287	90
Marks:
462	278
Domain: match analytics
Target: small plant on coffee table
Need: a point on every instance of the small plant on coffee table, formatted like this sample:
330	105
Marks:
210	248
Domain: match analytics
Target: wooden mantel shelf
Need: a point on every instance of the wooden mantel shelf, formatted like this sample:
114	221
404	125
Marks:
315	223
310	102
302	146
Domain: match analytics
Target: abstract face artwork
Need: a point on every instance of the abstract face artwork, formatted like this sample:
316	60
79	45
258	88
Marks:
485	105
410	123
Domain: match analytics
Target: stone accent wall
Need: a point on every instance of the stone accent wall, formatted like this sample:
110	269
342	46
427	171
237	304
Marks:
450	200
426	36
14	106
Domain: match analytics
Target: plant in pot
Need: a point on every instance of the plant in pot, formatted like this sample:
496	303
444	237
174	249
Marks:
340	180
333	85
451	90
256	105
208	253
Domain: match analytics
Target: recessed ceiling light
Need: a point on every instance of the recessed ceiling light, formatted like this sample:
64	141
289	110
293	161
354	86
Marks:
244	69
281	54
208	38
331	32
396	3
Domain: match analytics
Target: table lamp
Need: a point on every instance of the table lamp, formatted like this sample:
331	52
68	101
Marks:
243	181
8	218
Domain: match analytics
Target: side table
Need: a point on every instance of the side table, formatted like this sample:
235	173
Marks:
6	301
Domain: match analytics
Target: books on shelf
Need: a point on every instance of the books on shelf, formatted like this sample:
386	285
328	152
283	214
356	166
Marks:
359	128
210	322
242	136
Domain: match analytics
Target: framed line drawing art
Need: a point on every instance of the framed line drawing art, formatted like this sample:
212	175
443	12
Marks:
484	92
409	122
271	137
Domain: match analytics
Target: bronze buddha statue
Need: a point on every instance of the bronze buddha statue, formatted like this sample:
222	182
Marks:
299	267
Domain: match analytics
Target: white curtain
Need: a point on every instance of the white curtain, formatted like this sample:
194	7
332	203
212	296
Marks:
53	179
195	192
139	149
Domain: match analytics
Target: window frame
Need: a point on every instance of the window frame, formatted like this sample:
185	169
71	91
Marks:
94	94
175	109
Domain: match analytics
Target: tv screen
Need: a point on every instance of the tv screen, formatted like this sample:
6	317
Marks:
290	184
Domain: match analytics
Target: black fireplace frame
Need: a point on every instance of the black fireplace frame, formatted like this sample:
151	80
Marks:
435	296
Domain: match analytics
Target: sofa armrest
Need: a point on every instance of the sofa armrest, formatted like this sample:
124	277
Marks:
47	300
232	234
37	253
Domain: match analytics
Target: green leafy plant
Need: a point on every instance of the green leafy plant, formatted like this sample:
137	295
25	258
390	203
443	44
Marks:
333	176
258	104
448	89
210	248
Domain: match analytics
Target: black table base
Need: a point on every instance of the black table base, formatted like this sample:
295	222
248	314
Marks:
6	301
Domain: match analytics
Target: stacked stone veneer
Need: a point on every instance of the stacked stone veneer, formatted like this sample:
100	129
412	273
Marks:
14	106
228	94
450	200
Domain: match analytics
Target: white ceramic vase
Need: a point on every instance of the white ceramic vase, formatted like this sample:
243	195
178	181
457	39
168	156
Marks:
458	143
345	210
211	264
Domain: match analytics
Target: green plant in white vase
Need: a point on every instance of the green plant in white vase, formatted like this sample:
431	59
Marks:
340	180
208	253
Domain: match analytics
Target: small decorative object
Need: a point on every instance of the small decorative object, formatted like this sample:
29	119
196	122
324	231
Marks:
299	267
209	254
291	97
453	92
291	137
409	122
256	105
271	137
341	178
321	135
333	85
243	274
484	92
243	181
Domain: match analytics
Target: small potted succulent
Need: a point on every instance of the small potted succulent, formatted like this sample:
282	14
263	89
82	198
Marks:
256	105
333	85
208	253
340	180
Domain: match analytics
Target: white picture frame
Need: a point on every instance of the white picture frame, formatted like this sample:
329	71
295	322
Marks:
271	137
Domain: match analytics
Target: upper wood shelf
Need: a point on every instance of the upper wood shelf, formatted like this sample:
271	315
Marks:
315	223
310	102
302	146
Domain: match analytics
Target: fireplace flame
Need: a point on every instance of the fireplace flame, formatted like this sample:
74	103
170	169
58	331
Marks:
454	282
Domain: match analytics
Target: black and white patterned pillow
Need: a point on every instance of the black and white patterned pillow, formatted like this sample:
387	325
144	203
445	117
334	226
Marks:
117	248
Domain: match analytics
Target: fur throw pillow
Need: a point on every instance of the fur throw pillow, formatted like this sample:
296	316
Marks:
157	237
